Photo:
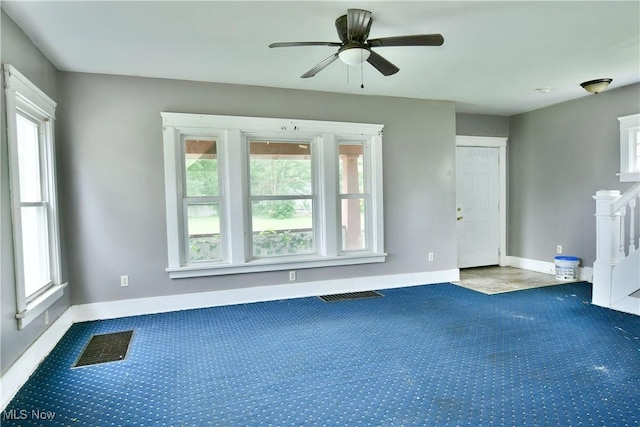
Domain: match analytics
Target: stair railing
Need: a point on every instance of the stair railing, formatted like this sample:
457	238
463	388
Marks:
627	200
614	239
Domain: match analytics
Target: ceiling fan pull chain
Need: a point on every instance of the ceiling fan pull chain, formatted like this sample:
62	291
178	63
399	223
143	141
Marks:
361	75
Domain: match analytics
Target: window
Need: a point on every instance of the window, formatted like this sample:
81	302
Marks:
282	198
202	199
635	135
30	115
630	148
255	194
352	196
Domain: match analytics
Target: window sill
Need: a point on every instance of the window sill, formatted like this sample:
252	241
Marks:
36	307
629	176
260	265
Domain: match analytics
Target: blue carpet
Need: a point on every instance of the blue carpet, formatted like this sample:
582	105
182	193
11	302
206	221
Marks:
437	355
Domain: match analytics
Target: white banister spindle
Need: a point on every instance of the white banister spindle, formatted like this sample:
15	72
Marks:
621	251
632	225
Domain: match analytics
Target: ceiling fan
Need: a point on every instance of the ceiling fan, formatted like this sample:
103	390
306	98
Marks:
355	47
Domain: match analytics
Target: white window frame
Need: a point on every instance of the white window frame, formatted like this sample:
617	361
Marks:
232	133
25	98
629	129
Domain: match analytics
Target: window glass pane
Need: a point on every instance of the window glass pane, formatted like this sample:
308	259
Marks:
28	160
201	167
351	158
35	246
353	225
203	221
282	227
638	150
280	168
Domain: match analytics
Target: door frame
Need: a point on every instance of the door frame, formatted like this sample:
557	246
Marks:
501	143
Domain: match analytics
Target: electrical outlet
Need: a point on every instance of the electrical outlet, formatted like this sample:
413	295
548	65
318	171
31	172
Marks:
430	256
46	317
559	249
292	276
124	280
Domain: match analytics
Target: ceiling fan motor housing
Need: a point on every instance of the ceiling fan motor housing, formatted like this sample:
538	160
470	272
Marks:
342	26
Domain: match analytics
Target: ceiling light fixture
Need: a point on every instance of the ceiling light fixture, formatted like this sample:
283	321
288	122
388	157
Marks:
596	86
354	55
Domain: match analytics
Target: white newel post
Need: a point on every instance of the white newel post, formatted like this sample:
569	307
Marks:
607	246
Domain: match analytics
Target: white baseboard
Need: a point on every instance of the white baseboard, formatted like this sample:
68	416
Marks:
135	307
20	371
546	267
531	265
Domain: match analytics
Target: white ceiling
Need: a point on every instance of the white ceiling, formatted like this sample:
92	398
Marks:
495	54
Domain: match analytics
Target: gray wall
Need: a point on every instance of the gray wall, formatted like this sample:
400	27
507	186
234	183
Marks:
482	125
19	51
112	174
559	157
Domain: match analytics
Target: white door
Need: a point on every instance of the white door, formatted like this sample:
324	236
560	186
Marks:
477	197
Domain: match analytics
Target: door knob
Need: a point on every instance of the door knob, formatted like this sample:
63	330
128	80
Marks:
459	218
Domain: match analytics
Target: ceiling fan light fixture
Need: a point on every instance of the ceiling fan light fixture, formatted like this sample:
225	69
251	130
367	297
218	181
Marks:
596	86
354	55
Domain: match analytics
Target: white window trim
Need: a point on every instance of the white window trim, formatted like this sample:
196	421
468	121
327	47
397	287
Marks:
231	132
629	126
21	94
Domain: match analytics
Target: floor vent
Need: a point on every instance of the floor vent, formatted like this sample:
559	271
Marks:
350	296
105	348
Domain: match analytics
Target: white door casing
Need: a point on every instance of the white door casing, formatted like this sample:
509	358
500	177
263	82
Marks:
481	201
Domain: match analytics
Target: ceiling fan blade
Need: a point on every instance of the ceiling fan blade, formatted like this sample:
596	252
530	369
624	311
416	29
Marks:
358	25
295	44
321	66
415	40
381	64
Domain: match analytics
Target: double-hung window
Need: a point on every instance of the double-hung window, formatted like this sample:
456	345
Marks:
250	194
201	201
353	196
282	198
629	148
30	116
